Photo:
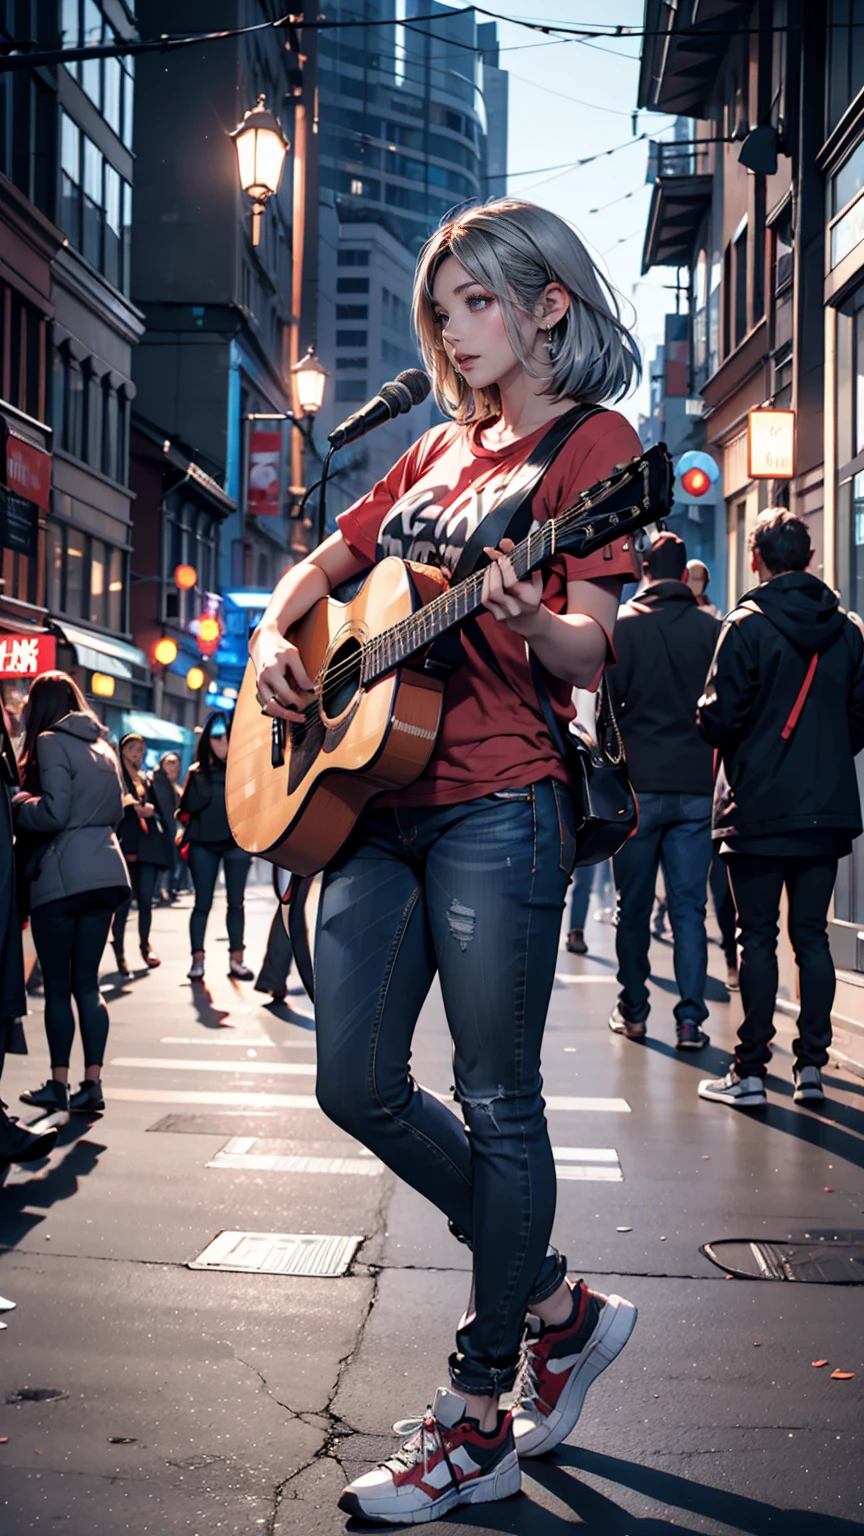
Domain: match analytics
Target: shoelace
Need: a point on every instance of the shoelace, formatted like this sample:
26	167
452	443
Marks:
527	1387
424	1439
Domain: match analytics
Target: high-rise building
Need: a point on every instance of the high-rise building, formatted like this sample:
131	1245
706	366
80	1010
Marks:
413	121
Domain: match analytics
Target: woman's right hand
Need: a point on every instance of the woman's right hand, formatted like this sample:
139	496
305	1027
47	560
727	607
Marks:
283	685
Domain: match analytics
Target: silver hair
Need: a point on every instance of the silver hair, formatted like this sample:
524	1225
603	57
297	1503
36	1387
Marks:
516	250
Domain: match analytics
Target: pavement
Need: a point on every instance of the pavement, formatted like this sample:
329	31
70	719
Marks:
141	1395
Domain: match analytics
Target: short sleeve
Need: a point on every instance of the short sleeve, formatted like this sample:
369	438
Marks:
591	455
360	523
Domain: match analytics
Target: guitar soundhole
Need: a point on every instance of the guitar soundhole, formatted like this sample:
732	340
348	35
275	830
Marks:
341	680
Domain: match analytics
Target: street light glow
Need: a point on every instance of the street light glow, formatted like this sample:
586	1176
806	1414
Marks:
309	376
261	149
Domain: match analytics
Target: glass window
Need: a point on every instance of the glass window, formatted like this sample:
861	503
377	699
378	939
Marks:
91	69
109	430
75	561
91	241
113	88
74	423
845	339
859	382
116	611
351	338
740	288
126	239
128	94
55	568
98	582
113	230
70	24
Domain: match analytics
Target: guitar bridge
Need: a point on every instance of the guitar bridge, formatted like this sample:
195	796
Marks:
277	744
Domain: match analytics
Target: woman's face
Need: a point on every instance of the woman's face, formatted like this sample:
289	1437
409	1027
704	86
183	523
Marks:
171	768
473	332
133	753
219	747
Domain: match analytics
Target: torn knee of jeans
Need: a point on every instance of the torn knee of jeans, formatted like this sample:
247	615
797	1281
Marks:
463	921
484	1106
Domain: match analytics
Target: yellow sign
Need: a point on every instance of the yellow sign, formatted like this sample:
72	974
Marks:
771	445
102	685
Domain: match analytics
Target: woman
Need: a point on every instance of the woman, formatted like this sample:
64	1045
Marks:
72	801
148	847
166	795
202	809
465	870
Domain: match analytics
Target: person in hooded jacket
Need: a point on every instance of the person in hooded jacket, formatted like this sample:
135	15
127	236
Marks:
71	805
784	707
147	842
203	811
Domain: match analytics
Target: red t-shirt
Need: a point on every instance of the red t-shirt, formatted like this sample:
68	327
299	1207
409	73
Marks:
426	509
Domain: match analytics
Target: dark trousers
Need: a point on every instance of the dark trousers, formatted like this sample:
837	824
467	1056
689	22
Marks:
475	892
204	864
757	885
273	976
724	906
144	879
70	936
675	833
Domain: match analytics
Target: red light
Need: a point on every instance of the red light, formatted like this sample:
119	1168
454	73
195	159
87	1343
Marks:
695	482
185	577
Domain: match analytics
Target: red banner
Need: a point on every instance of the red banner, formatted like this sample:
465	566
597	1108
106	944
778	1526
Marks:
265	456
28	471
26	655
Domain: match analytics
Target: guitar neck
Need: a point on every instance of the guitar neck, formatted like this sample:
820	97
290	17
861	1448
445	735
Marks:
411	636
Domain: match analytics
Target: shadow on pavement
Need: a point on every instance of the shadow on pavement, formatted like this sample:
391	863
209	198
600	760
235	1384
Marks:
54	1179
288	1015
210	1017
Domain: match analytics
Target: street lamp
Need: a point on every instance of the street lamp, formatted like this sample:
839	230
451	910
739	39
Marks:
261	148
309	376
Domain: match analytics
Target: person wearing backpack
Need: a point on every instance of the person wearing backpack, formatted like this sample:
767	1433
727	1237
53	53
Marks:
784	709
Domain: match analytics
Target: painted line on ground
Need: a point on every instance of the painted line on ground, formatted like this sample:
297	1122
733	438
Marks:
253	1099
583	981
265	1068
262	1042
598	1165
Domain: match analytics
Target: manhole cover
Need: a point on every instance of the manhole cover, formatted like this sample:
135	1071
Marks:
37	1395
227	1123
823	1259
279	1253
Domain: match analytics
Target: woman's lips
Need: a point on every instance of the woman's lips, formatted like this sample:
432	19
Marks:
465	362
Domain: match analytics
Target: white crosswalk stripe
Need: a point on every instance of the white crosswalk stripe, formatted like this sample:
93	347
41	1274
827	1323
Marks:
267	1068
239	1154
598	1165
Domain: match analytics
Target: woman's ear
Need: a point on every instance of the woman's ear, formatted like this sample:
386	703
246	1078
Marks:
553	305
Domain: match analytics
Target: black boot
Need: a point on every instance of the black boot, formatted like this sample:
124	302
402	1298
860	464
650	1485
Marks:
52	1096
18	1145
88	1100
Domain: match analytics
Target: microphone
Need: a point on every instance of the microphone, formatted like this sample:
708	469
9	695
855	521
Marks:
394	399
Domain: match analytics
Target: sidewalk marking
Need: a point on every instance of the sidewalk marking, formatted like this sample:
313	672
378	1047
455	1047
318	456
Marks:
267	1068
601	1106
598	1165
577	981
238	1154
252	1100
261	1042
585	1154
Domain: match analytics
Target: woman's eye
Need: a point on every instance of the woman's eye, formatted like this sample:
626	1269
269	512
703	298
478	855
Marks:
440	320
478	300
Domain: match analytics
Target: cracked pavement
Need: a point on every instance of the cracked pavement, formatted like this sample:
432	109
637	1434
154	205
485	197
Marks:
214	1402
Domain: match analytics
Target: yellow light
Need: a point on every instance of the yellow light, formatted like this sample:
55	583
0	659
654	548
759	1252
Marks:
185	577
261	148
310	377
195	678
165	651
102	685
209	630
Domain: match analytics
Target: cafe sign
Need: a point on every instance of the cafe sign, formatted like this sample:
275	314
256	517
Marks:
771	445
26	655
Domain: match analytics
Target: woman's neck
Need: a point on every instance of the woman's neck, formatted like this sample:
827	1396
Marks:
522	410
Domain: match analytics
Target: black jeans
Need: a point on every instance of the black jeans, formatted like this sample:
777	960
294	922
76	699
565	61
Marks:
144	879
204	864
757	885
475	892
724	907
70	936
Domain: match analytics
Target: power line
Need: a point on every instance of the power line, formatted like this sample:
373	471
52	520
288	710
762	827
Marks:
571	165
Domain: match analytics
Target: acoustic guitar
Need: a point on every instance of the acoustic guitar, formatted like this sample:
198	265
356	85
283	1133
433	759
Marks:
295	791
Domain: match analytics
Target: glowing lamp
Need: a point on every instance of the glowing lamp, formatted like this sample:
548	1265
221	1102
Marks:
102	685
261	149
185	577
696	473
310	377
209	635
165	651
196	677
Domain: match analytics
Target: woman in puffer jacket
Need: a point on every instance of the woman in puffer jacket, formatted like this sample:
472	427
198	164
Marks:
68	811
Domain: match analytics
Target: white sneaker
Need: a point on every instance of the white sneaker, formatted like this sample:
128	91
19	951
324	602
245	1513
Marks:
558	1367
447	1461
808	1085
196	971
740	1092
240	972
6	1306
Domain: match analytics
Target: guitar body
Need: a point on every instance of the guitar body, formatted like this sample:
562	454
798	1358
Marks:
359	741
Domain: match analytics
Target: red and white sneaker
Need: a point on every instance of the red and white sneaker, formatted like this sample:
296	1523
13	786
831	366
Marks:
446	1461
559	1365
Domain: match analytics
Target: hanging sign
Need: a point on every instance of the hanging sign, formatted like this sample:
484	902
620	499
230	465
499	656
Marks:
28	471
771	445
19	524
27	655
265	456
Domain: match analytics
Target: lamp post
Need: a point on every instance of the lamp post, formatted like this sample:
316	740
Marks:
261	148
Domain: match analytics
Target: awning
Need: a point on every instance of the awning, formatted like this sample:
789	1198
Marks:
101	653
153	729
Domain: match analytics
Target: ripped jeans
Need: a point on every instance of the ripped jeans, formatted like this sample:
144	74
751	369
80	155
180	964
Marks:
475	893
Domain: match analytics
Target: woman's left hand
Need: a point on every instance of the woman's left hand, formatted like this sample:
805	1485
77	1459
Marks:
513	602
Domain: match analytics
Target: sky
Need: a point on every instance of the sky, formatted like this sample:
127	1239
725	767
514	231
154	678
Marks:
570	99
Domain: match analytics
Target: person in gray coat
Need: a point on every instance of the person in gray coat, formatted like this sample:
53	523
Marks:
68	811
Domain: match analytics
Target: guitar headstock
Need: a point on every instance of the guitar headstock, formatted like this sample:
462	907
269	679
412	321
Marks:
633	496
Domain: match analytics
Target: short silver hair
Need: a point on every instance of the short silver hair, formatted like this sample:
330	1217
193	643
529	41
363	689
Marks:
516	250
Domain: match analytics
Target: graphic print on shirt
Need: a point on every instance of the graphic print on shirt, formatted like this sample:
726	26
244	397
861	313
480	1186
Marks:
419	528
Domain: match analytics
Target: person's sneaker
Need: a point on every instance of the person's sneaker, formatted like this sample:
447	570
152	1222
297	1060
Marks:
733	983
740	1092
633	1029
88	1100
20	1145
240	972
196	970
447	1460
559	1365
6	1305
689	1037
808	1085
150	958
51	1096
576	942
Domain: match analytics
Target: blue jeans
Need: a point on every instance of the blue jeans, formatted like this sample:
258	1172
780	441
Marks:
475	892
675	832
204	866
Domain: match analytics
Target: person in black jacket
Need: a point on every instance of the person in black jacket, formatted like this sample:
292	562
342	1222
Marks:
784	706
202	809
148	847
664	643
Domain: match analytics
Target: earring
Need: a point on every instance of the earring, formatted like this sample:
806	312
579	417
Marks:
548	343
